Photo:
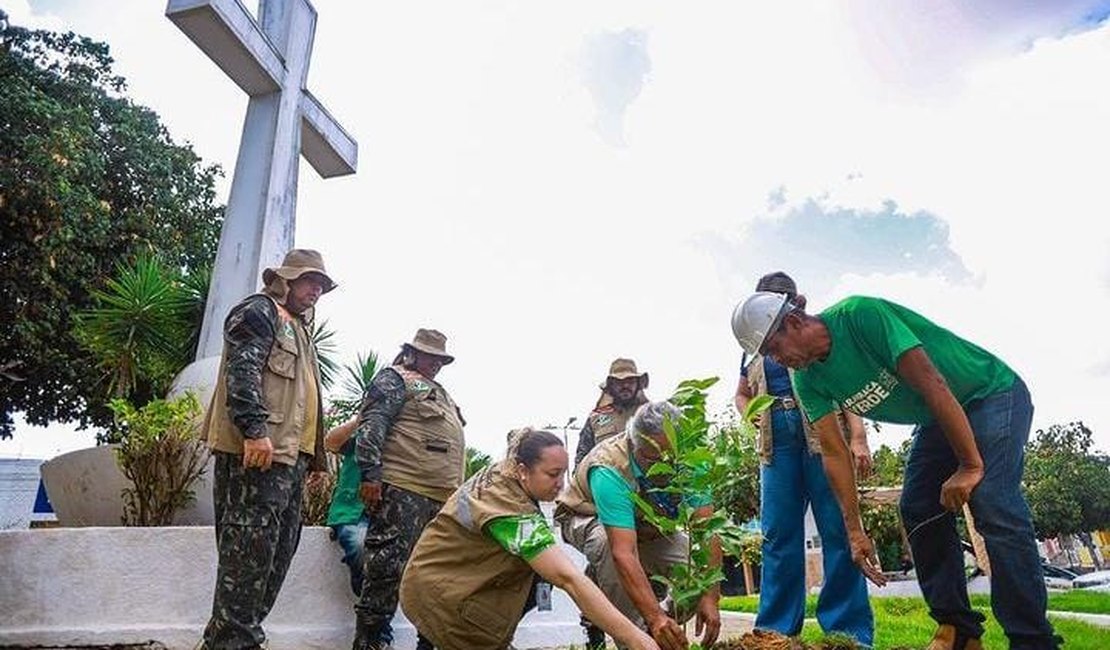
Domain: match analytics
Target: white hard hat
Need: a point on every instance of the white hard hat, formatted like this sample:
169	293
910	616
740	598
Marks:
757	317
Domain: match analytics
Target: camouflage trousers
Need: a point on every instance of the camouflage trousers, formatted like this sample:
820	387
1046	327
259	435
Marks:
258	527
392	534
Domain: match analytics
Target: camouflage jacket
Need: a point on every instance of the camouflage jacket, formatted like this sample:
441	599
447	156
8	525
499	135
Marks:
268	368
381	404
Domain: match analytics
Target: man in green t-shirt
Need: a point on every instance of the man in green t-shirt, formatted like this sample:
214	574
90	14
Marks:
972	415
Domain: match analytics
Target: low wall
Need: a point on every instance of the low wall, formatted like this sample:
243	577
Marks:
90	586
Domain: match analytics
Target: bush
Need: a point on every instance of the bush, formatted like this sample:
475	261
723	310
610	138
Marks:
160	453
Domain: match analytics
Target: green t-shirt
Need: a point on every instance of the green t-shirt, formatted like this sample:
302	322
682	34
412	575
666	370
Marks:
868	337
524	536
346	507
613	496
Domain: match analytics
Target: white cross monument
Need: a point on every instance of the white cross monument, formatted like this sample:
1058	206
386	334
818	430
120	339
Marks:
268	59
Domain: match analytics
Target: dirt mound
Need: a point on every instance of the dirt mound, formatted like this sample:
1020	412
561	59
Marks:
766	640
762	640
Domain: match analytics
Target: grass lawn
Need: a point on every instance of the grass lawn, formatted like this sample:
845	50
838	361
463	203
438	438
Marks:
905	622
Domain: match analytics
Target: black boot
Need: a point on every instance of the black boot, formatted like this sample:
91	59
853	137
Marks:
423	643
367	635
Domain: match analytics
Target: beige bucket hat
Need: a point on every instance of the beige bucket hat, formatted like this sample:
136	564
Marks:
297	262
431	342
623	369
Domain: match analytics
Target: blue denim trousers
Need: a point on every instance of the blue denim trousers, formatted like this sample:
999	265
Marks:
1001	425
794	479
351	538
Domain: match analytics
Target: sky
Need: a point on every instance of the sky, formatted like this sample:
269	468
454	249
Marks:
553	185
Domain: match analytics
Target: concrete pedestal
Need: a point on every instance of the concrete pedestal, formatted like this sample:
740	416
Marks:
93	586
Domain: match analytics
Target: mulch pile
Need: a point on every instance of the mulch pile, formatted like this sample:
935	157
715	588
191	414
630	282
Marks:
766	640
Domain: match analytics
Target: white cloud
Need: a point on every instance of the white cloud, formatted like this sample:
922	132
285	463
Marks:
21	13
614	67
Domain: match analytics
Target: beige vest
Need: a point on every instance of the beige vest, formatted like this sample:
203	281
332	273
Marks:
460	587
607	420
757	379
425	451
577	499
289	376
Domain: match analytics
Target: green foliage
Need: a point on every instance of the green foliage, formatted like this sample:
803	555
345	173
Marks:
137	331
883	523
1066	483
905	623
734	442
902	623
354	380
691	468
88	180
323	338
737	487
160	453
751	549
476	460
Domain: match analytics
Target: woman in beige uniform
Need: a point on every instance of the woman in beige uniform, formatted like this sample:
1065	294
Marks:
468	581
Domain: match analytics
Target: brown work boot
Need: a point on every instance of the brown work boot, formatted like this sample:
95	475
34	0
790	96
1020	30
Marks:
948	637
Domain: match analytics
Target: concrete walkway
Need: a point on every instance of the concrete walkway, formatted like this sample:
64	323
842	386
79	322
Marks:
1101	620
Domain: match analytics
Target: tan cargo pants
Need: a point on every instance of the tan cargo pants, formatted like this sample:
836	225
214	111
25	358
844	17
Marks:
657	555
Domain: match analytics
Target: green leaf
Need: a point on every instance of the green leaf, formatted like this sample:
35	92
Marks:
659	469
757	405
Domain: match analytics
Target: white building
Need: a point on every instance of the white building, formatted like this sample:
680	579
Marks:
20	485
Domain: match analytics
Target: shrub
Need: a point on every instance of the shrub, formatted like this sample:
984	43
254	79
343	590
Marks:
160	453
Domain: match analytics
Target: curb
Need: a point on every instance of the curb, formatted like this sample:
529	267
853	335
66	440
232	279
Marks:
1101	620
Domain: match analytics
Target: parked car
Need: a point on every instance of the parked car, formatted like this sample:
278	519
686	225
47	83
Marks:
1058	577
1094	580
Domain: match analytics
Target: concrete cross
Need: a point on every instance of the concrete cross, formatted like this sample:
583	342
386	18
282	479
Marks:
268	59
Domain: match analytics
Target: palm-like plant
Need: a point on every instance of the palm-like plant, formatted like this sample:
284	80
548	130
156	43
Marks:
476	460
136	329
354	381
194	287
323	338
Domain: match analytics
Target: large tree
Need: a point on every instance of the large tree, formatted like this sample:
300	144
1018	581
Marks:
1067	482
88	179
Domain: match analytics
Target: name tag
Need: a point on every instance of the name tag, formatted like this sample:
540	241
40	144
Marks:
543	596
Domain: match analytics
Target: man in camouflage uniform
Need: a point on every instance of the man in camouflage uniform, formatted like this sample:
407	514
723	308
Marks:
621	394
265	428
411	454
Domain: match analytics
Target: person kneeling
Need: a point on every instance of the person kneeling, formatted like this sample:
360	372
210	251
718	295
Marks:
599	517
470	578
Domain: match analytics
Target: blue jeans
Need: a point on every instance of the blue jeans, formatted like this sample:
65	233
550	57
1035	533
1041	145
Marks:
351	538
794	479
1001	425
